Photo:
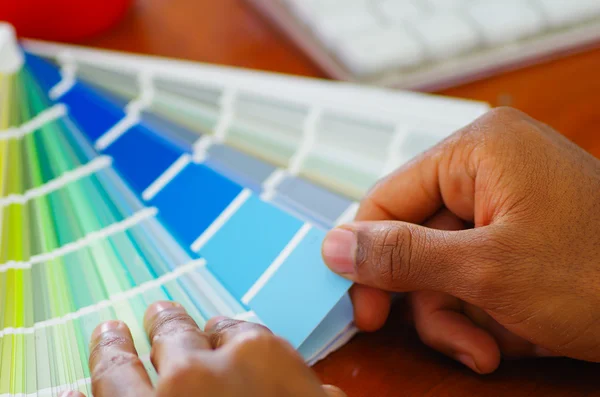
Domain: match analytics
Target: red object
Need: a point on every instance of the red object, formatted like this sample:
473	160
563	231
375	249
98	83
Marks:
62	20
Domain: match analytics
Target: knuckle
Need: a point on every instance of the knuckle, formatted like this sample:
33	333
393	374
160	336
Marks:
113	363
168	323
509	126
252	344
493	126
389	254
226	325
252	354
252	341
233	327
182	372
181	332
502	137
99	350
182	368
506	114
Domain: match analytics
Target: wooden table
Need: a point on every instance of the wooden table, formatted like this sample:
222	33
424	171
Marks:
392	362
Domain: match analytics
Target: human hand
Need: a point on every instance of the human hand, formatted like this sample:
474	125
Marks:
515	268
229	359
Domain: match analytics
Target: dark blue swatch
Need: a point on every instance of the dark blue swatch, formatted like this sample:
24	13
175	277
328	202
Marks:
141	156
92	113
193	200
46	74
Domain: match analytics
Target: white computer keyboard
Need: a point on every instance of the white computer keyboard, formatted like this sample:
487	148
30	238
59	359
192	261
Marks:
433	43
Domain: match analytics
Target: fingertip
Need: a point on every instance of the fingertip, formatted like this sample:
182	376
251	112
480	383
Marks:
474	347
111	343
158	307
339	250
442	326
71	393
371	307
484	363
333	391
223	330
112	326
212	323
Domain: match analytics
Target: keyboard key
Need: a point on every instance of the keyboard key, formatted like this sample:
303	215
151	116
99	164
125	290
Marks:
565	12
331	29
505	21
446	5
446	35
380	49
398	10
391	41
311	10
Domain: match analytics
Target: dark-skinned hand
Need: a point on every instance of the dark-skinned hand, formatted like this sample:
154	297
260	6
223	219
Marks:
495	236
228	359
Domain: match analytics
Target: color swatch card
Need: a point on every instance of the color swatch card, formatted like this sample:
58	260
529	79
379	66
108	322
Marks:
125	180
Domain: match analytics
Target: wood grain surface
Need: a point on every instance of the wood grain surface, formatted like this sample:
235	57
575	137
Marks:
564	93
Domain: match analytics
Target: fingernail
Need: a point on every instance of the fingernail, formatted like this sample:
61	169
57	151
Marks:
468	361
333	391
339	250
158	307
109	326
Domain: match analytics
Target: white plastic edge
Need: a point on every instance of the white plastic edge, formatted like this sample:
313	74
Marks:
11	57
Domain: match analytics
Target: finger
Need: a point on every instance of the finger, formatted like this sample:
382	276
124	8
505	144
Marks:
445	175
411	193
442	176
333	391
371	307
250	351
72	393
401	257
445	220
174	335
115	367
223	330
442	326
511	345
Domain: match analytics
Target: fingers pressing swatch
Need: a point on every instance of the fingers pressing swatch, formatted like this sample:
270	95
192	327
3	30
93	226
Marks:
114	363
174	335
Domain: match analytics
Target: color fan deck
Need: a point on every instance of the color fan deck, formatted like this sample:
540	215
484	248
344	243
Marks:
125	180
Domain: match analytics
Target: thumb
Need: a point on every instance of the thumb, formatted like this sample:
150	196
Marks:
402	257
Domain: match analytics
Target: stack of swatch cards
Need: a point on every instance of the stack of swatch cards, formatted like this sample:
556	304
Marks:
125	180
